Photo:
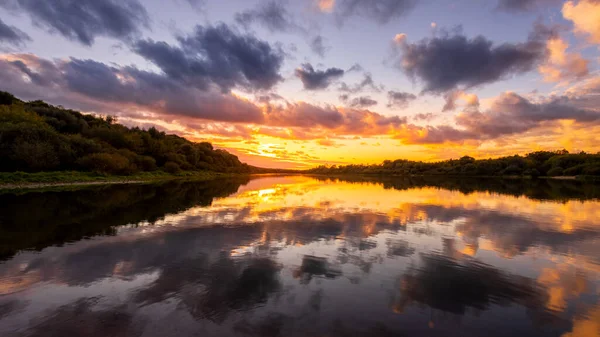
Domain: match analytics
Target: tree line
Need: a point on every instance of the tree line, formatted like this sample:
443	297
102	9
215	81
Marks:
534	164
36	136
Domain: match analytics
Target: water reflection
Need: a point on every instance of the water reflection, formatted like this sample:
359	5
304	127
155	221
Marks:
297	256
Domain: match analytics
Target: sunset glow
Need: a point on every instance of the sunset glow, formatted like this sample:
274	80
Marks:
297	84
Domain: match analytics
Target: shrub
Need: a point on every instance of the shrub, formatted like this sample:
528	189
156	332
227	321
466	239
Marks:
172	167
145	163
108	163
556	171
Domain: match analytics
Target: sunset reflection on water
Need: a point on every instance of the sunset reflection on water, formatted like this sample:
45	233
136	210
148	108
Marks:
299	256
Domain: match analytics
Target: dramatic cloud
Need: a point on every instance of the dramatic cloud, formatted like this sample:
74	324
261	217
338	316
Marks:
95	86
317	45
12	35
447	62
400	100
362	102
317	79
216	55
585	15
509	114
380	11
525	5
84	20
451	97
272	15
152	97
562	64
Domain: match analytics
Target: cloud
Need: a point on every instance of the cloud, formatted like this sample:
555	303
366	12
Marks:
325	5
342	121
448	62
12	35
366	83
93	86
317	79
400	100
424	116
509	114
216	55
85	20
148	97
362	102
471	100
380	11
400	38
524	5
317	45
585	15
561	64
326	142
272	15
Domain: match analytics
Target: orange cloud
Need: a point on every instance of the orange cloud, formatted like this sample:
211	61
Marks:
400	38
561	64
326	5
585	15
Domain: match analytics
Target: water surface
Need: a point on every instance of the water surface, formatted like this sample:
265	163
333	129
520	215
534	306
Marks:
302	256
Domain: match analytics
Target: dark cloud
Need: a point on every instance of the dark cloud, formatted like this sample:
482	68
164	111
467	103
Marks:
216	55
362	102
398	99
525	5
367	83
509	114
317	79
380	11
272	15
84	20
448	62
12	35
317	45
93	86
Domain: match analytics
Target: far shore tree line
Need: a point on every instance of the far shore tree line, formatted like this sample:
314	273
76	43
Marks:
534	164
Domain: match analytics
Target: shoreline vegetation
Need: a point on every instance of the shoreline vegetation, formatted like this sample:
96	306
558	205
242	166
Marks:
42	145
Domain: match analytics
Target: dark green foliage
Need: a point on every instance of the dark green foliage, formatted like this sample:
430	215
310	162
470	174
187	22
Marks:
36	136
171	167
535	164
555	171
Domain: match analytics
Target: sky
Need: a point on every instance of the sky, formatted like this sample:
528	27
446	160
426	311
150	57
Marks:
302	83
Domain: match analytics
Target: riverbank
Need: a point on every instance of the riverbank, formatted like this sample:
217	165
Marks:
23	180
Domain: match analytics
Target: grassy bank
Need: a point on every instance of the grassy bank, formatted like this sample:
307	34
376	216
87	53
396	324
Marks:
12	180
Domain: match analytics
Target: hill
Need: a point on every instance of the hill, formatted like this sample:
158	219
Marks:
38	137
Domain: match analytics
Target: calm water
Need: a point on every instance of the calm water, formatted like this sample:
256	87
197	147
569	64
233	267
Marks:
300	256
